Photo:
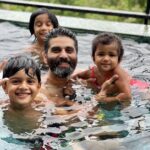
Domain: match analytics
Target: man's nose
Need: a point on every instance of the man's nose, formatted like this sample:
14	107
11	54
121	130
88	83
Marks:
63	54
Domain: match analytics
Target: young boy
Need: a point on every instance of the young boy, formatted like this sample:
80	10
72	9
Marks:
21	81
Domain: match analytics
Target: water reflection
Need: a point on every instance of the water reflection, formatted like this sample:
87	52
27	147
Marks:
20	122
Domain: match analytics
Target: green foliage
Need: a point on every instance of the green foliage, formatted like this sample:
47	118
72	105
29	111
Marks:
126	5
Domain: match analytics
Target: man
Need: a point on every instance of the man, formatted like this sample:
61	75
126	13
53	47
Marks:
61	48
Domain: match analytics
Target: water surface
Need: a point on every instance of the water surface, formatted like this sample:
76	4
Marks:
115	125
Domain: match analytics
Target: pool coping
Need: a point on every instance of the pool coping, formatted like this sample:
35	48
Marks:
90	25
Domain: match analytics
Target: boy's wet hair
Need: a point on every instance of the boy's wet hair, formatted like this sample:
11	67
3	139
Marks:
106	39
20	62
60	32
41	11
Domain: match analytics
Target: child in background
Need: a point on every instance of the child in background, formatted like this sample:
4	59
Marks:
107	53
41	22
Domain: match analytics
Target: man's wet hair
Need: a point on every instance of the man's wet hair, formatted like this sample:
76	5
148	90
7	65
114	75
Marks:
52	17
106	39
60	32
17	63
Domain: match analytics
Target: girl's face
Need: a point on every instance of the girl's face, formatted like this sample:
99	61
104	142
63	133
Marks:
42	25
106	57
21	88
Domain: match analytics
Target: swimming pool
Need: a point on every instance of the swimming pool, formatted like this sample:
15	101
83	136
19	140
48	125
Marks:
114	127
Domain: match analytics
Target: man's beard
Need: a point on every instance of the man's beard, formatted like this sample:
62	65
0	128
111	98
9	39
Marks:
60	71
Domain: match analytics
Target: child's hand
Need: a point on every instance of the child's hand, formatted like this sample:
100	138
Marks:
68	91
2	64
101	96
2	81
106	85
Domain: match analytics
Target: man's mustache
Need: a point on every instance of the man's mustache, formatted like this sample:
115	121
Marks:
61	60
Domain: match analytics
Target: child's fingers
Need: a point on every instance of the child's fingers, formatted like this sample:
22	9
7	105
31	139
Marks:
109	82
113	79
3	80
100	97
2	64
91	80
81	82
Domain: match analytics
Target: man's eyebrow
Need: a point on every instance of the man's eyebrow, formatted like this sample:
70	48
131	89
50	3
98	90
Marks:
55	47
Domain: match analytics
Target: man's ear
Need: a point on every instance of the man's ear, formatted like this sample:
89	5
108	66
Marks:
44	57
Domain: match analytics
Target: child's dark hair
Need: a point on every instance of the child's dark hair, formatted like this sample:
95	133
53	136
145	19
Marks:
60	32
41	11
105	39
20	62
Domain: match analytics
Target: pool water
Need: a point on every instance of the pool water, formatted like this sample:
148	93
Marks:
114	126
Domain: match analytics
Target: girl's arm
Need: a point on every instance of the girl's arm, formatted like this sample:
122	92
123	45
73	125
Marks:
120	97
82	75
124	91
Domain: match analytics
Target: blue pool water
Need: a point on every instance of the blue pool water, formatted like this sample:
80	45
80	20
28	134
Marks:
115	126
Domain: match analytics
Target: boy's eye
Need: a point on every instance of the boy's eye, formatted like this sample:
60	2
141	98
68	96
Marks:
31	81
15	81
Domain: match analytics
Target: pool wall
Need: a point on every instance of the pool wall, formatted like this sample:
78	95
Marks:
90	25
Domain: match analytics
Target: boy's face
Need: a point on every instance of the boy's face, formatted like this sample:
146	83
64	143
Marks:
21	88
106	57
42	26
